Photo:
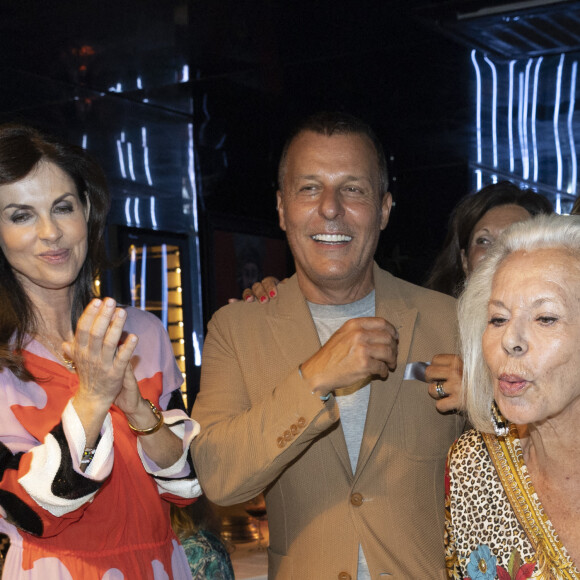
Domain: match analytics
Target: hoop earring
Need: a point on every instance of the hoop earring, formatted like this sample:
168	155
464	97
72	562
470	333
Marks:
500	424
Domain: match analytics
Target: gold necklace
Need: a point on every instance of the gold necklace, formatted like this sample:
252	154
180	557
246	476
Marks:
69	363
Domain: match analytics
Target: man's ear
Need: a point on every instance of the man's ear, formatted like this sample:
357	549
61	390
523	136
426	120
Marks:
386	205
280	208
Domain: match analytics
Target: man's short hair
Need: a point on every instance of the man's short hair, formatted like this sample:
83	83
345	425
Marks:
336	123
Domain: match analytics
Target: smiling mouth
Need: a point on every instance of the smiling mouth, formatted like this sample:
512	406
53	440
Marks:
331	238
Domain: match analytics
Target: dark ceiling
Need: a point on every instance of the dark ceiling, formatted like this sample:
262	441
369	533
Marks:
195	96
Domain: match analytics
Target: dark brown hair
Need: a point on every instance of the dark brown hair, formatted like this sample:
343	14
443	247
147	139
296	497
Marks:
337	123
447	275
22	148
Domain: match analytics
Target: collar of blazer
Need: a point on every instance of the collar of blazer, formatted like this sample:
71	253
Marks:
294	326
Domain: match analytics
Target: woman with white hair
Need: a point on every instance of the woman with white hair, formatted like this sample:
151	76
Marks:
513	489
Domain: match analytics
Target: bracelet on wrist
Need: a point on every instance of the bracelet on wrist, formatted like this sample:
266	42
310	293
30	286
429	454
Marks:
150	430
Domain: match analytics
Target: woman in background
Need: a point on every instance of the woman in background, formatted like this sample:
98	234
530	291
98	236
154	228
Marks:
513	487
90	454
475	223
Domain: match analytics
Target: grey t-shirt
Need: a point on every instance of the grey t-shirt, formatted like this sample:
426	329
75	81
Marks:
353	404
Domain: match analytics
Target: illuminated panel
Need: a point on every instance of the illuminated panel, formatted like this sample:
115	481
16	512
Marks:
511	114
493	109
556	120
143	292
534	116
574	162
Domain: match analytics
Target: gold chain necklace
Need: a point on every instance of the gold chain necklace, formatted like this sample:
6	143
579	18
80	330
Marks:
70	364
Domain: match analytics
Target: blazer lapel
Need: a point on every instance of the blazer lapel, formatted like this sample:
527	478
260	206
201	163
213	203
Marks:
391	306
297	340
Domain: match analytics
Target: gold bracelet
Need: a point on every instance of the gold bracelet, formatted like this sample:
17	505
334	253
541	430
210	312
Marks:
151	430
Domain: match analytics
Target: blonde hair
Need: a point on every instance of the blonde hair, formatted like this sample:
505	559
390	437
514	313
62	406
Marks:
540	232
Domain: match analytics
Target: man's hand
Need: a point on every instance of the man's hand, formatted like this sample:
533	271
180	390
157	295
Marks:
361	349
447	370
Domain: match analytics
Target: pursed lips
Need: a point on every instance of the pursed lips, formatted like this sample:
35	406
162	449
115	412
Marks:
512	385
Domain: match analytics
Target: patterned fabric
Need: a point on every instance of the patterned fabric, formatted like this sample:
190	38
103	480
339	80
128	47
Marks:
109	523
486	537
207	557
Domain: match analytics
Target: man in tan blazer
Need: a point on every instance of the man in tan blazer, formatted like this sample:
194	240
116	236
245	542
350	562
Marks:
346	445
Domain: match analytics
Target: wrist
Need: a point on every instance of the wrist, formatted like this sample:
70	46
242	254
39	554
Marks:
147	420
316	391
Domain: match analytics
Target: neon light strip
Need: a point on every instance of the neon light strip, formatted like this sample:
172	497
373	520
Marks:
525	120
556	115
121	160
130	160
146	155
493	109
191	173
196	350
534	109
128	211
521	123
84	141
136	211
164	292
143	276
152	211
511	114
573	160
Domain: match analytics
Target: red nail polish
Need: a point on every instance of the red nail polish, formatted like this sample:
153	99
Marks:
263	299
272	293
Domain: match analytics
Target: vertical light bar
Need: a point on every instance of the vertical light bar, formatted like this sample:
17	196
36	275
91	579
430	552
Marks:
136	212
525	119
196	350
534	116
191	174
493	109
478	180
139	83
521	123
146	155
556	118
573	160
121	158
84	141
133	275
164	290
130	160
511	114
128	211
143	276
152	211
558	206
185	73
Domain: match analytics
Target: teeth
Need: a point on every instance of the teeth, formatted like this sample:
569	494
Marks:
332	238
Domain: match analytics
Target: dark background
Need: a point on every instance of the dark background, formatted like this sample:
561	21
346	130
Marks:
198	96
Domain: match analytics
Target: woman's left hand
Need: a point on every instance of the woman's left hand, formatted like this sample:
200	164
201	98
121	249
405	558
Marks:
445	370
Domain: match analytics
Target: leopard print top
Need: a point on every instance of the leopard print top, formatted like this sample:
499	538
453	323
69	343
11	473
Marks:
484	538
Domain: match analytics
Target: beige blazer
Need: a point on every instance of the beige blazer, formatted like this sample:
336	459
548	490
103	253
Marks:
262	430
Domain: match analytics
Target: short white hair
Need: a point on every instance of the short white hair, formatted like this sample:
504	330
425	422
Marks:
541	232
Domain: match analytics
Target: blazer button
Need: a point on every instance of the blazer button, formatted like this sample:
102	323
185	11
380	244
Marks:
301	422
344	576
287	435
356	499
280	441
293	429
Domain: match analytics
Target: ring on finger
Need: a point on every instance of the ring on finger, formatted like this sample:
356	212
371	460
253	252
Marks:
440	391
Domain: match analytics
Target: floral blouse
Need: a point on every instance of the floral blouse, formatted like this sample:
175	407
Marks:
495	524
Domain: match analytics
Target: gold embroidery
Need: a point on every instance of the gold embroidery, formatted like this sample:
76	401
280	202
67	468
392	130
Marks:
553	562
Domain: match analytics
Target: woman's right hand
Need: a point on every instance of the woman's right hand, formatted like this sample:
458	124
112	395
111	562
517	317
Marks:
101	354
261	291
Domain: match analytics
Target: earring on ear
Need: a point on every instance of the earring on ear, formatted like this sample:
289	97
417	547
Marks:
500	424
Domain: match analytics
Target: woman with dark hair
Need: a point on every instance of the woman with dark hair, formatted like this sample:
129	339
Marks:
90	454
475	223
